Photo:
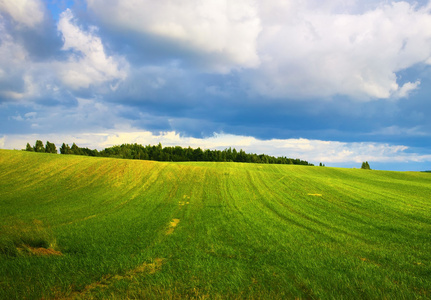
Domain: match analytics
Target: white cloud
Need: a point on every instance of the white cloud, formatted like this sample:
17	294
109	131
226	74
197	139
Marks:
224	32
282	49
405	90
28	13
292	48
89	64
31	115
314	51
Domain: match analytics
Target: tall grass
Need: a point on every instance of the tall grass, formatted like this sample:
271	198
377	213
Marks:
141	229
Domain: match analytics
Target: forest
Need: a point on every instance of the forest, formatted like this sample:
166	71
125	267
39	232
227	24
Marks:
159	153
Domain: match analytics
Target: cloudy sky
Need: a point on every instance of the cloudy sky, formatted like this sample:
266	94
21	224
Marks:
335	81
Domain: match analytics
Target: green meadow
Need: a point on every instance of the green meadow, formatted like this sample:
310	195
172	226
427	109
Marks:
76	227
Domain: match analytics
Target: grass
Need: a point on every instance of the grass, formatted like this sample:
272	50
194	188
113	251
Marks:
142	229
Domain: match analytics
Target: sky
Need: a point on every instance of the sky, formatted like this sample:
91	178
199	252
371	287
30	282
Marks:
337	81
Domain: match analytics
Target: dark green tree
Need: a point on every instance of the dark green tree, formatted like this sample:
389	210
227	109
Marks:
50	147
365	165
38	147
198	154
29	148
65	149
75	150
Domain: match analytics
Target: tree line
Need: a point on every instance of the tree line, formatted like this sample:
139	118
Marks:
177	153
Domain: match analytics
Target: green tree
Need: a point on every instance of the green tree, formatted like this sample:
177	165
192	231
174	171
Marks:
75	150
365	165
198	154
65	149
38	147
29	148
50	147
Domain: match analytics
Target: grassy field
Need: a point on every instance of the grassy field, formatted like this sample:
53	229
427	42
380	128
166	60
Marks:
74	227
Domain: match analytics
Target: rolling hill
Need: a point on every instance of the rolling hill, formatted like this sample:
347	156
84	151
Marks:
76	227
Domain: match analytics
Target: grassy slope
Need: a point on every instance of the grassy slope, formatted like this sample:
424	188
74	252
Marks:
241	230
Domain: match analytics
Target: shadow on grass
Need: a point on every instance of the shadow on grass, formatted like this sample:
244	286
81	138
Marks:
20	238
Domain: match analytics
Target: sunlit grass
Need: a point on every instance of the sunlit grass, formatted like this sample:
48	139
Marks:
142	229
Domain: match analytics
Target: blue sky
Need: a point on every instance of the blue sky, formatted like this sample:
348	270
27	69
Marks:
338	81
